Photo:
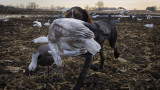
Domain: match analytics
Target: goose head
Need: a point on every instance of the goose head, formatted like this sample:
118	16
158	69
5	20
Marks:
32	66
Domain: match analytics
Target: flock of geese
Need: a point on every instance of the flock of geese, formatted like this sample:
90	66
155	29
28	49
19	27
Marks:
42	55
39	24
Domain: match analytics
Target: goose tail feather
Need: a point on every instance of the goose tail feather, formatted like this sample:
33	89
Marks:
92	46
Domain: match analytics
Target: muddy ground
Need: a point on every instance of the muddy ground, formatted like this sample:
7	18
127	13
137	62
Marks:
137	68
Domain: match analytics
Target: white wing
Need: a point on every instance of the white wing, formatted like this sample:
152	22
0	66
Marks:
55	54
68	27
41	39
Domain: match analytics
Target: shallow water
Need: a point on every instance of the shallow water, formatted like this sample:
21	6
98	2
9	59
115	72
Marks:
3	16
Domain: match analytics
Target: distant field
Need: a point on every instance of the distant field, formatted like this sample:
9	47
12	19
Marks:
28	12
131	11
59	12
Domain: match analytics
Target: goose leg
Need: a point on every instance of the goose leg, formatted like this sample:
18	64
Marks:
83	73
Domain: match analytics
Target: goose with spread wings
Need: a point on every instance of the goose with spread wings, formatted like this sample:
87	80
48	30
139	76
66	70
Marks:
71	37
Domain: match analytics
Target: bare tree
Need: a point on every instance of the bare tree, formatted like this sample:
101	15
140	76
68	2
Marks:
92	8
87	7
59	8
21	6
99	4
159	8
135	9
44	8
17	6
152	8
32	5
52	7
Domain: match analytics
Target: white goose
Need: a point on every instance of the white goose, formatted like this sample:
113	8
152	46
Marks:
37	24
148	17
41	57
47	23
70	37
139	19
123	11
95	16
5	20
117	21
149	25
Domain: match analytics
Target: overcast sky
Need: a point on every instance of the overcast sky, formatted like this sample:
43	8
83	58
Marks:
128	4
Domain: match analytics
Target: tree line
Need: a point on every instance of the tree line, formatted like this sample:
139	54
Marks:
152	8
34	6
30	6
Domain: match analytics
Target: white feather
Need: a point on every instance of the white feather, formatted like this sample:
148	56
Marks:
41	39
92	46
55	53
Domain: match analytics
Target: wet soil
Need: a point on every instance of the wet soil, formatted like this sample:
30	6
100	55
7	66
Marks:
137	68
